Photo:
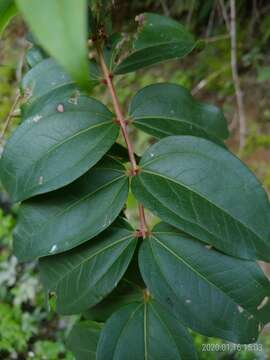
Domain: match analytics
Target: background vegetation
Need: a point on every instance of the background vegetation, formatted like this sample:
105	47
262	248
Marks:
29	327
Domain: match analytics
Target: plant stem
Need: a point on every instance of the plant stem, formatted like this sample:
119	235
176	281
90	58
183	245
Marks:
123	125
10	116
236	80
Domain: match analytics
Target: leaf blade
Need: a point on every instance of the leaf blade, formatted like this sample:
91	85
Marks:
168	109
146	331
55	222
58	142
83	339
69	22
159	39
204	190
8	10
83	276
212	292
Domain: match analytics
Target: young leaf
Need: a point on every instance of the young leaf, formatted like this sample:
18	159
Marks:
167	109
212	293
61	28
8	10
83	340
147	331
83	276
46	76
61	220
159	39
64	135
204	190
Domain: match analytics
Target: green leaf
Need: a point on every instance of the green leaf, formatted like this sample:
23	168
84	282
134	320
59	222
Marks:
159	39
83	340
8	10
144	331
211	292
61	29
63	219
46	76
65	134
83	276
204	190
167	109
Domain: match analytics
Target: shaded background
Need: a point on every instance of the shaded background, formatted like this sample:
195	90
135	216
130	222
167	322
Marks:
29	329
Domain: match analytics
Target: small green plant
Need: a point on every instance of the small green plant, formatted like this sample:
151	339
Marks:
138	290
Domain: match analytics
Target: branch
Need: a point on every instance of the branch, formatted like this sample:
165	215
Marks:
123	125
165	8
224	14
10	116
236	80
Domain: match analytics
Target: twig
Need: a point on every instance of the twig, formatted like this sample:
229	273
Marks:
165	7
10	116
211	21
190	13
208	79
123	125
216	38
224	14
236	80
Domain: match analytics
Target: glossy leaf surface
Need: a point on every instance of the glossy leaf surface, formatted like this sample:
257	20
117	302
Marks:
206	191
82	277
159	39
48	75
61	28
144	331
167	109
61	220
83	340
64	135
212	293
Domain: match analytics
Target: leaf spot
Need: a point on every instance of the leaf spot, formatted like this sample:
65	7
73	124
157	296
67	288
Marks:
53	249
250	317
263	303
40	180
140	19
60	108
36	118
209	247
188	301
240	309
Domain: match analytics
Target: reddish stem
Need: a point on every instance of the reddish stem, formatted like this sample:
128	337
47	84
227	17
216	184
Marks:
118	111
123	124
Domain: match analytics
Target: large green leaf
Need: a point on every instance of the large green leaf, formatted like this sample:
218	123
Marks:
83	340
159	39
211	292
144	331
167	109
46	76
204	190
63	219
82	277
61	28
65	134
8	10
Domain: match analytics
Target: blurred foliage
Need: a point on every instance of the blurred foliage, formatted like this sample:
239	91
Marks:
28	330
